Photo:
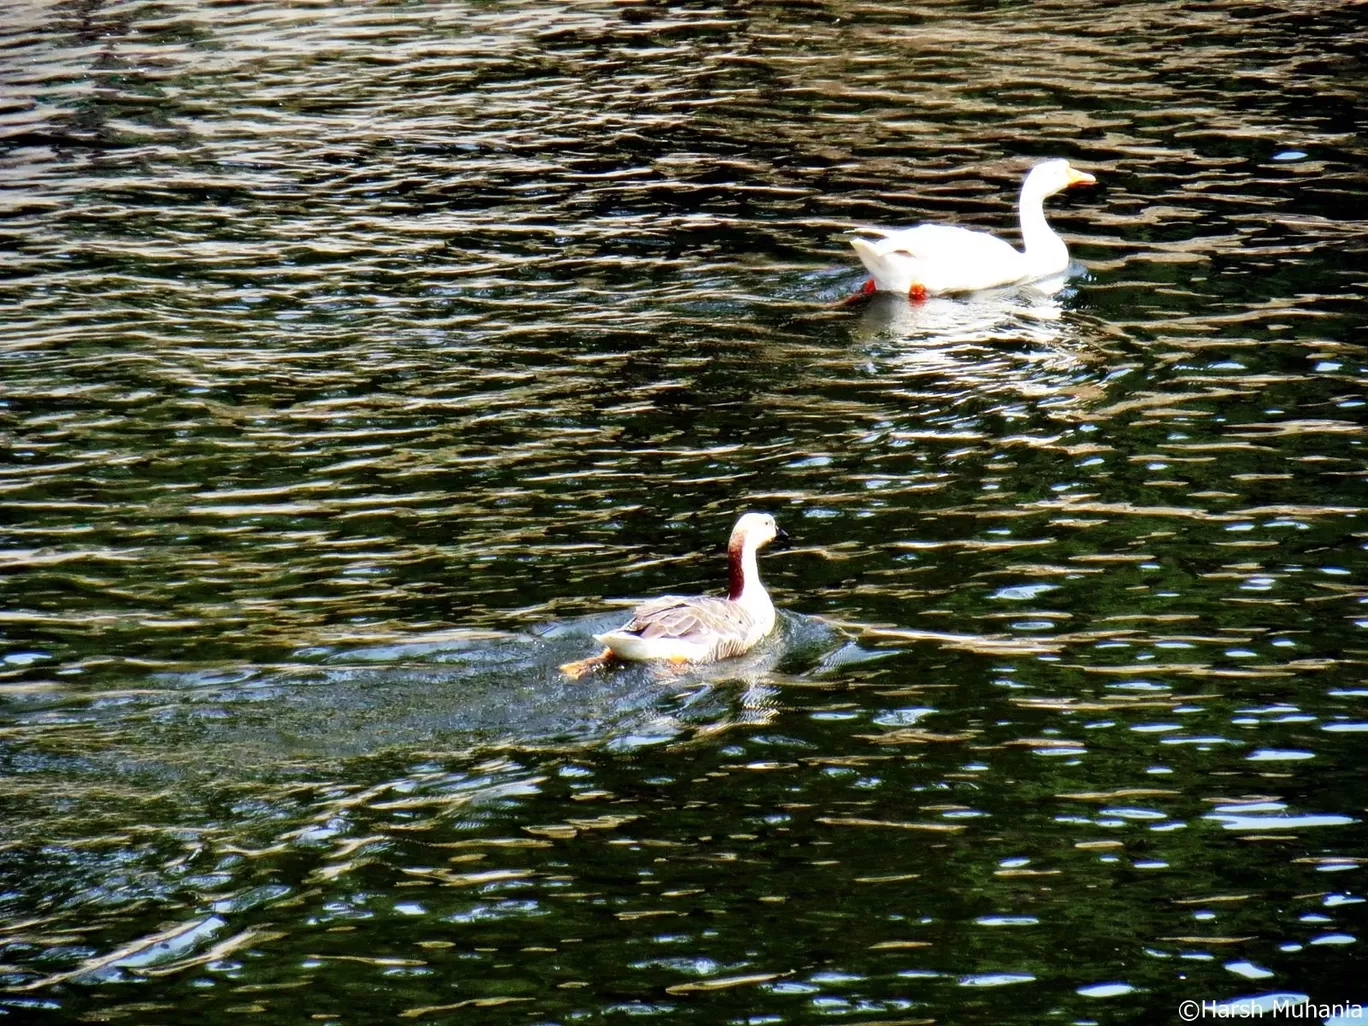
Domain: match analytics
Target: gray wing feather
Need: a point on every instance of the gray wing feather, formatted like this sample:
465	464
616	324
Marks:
698	619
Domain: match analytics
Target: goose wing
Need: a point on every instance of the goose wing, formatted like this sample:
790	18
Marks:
941	242
698	619
939	258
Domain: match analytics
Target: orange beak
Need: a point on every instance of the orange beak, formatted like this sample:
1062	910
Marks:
1080	178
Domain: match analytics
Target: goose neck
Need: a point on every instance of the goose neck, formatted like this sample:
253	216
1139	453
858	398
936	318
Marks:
744	571
1038	239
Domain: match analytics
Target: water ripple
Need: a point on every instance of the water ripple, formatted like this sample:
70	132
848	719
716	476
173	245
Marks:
361	361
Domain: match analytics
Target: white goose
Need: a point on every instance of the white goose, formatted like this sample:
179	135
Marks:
699	628
933	259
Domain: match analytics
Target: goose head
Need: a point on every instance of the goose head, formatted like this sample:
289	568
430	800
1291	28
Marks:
1052	176
754	531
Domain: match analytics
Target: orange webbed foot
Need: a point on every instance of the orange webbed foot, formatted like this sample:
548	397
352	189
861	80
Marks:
867	289
580	667
917	292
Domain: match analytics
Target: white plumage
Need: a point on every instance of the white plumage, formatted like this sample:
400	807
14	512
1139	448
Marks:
933	259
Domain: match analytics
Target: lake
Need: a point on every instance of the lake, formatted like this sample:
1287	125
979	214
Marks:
360	361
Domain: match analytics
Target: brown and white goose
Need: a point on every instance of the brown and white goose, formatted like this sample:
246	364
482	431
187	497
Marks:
699	628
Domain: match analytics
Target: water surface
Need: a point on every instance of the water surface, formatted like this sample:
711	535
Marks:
359	361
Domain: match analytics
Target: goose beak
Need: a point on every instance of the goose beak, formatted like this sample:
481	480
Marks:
1080	178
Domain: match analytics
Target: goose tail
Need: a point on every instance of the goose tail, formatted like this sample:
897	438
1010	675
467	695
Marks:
625	645
889	269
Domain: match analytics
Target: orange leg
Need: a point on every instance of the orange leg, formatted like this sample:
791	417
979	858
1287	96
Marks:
917	292
867	289
580	667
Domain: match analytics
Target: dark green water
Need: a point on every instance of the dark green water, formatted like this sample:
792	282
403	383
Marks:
357	361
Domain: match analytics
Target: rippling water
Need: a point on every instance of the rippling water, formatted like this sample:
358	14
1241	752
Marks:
360	360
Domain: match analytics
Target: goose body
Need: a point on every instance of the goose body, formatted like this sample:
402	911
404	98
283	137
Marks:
700	628
933	259
691	629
